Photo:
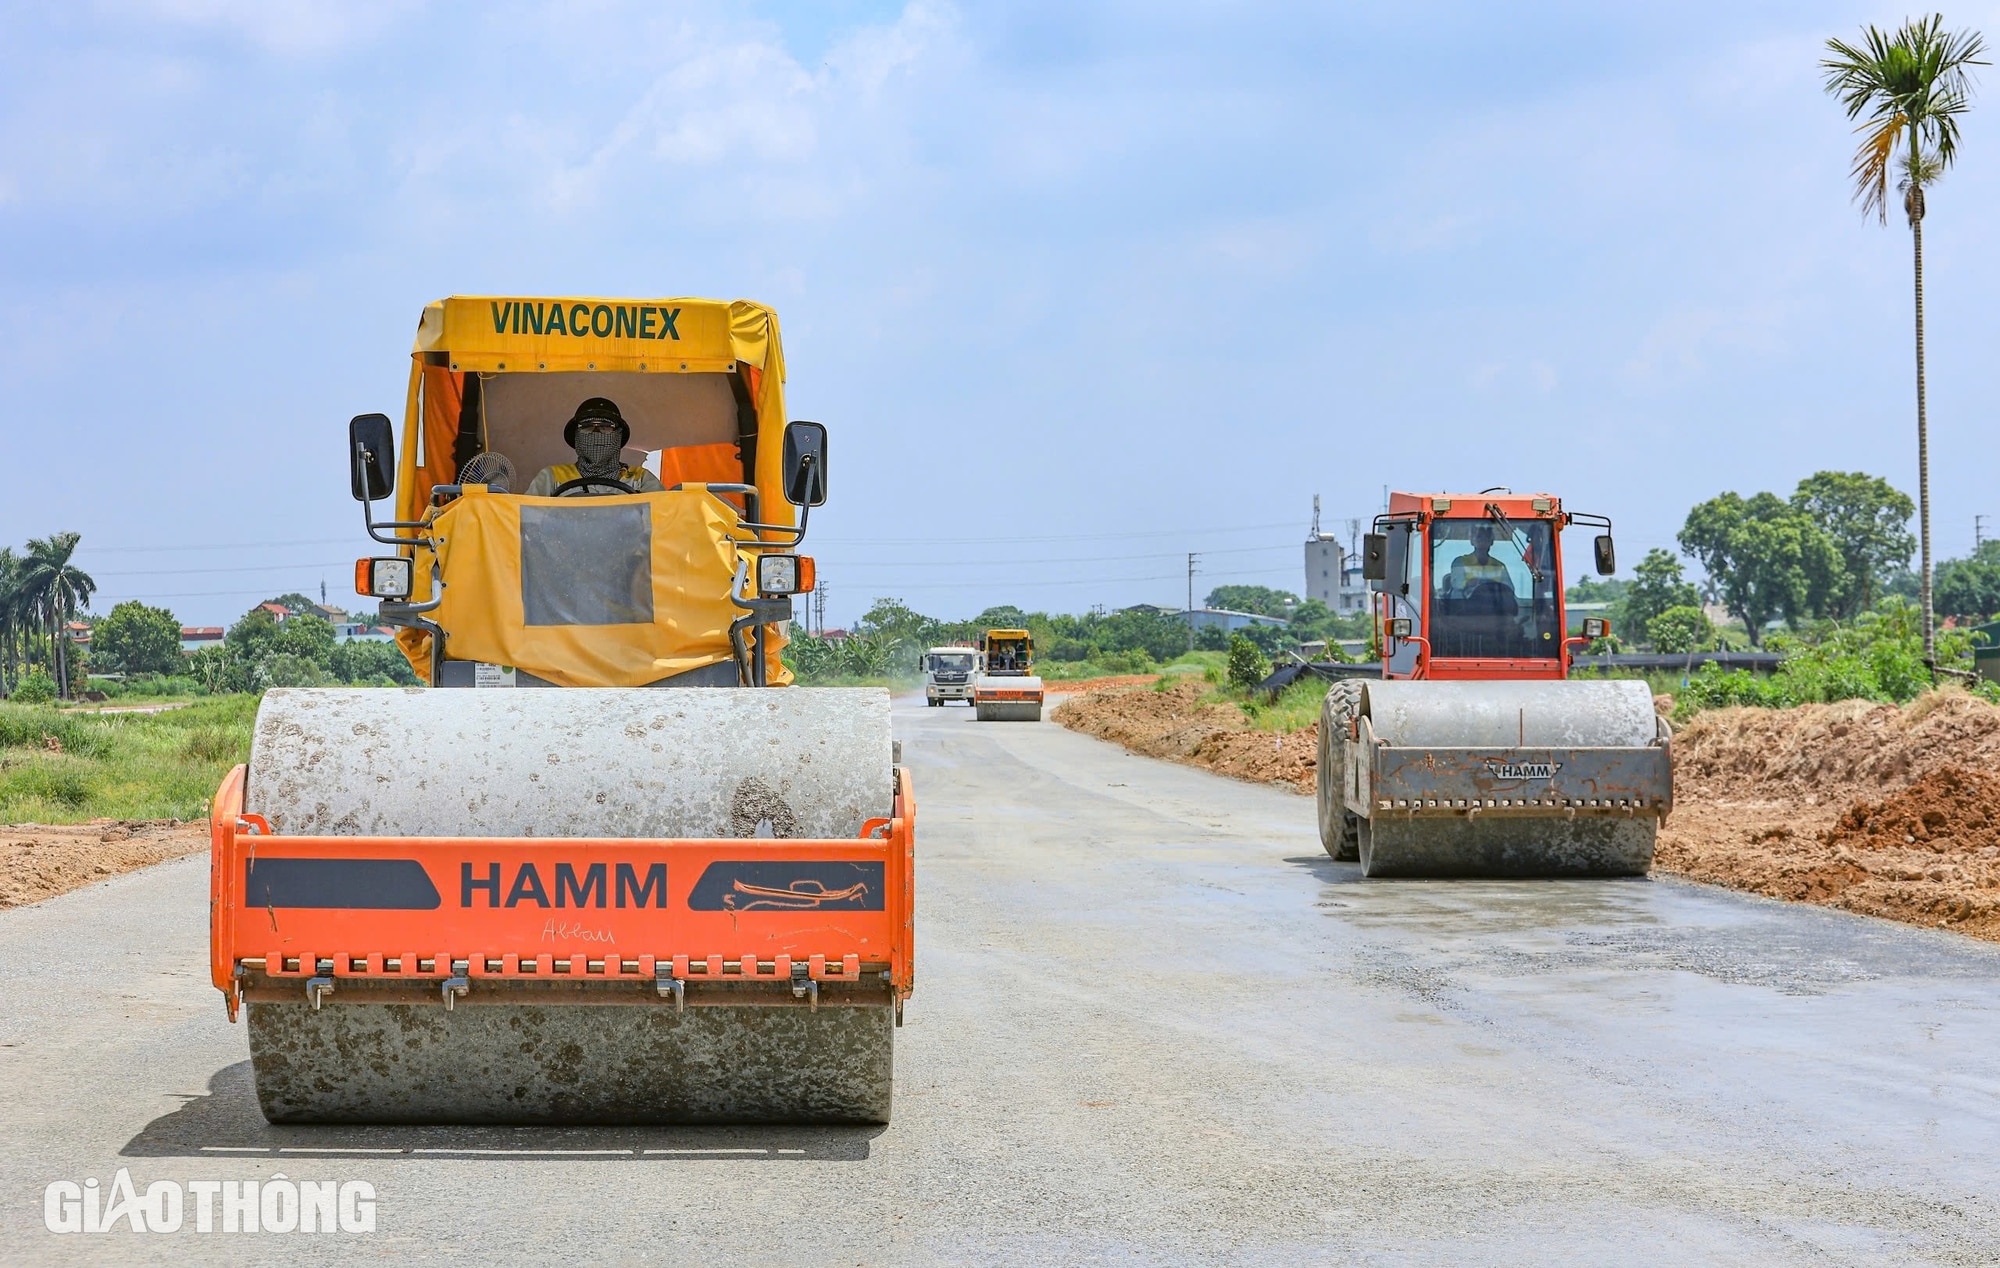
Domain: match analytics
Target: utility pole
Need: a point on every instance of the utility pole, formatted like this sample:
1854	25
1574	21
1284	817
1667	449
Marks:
1978	532
819	603
1190	602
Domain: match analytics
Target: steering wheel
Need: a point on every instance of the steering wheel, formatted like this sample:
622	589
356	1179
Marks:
1492	598
584	481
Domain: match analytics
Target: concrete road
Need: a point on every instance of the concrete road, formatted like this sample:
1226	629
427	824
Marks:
1153	1024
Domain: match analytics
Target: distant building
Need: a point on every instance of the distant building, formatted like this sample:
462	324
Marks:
279	612
1204	618
196	637
1333	573
1227	621
346	631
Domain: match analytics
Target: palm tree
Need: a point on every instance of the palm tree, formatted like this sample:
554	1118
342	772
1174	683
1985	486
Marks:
55	590
1908	88
10	613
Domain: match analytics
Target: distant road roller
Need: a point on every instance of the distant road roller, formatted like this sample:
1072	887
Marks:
1471	754
1007	689
609	866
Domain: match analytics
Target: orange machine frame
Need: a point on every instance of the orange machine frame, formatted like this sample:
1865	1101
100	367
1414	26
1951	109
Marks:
1425	507
653	951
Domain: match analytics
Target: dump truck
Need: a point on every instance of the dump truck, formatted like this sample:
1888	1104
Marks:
1472	754
1007	689
609	865
949	673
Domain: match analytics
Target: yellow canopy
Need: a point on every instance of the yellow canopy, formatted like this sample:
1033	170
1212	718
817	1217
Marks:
701	384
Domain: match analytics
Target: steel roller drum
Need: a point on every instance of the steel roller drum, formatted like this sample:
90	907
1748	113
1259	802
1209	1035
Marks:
1612	721
528	763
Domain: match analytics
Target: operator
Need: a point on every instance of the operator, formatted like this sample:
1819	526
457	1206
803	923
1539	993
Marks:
598	432
1480	566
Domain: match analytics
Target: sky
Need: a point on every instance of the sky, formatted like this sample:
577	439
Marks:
1077	289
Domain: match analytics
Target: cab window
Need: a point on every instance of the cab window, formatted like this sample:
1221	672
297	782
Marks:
1492	589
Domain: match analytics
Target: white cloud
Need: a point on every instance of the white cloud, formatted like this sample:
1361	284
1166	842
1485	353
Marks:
291	28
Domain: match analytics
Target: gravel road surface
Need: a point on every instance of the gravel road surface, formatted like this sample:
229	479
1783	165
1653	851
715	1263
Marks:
1153	1024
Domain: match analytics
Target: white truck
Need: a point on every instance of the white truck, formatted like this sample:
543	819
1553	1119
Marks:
949	673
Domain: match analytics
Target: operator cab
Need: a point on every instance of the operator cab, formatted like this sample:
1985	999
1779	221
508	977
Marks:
1471	585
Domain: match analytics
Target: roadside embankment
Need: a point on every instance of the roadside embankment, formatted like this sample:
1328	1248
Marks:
1886	810
41	860
1181	725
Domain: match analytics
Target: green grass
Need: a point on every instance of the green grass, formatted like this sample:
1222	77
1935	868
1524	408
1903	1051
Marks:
1296	707
59	767
1120	665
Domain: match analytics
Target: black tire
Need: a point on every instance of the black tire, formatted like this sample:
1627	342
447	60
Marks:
1339	827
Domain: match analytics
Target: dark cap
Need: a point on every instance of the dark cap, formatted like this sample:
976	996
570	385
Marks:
602	410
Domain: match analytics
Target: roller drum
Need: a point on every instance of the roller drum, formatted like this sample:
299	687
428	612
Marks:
571	762
1600	737
401	1063
614	763
1002	710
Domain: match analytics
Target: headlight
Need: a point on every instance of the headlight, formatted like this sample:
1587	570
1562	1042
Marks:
383	578
1596	627
784	574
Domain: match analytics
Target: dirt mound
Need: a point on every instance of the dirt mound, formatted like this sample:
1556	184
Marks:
1077	686
39	861
1845	750
1176	725
1927	854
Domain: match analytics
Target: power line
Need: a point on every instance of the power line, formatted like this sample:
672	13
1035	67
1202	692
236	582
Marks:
1060	559
1052	537
188	572
985	583
140	550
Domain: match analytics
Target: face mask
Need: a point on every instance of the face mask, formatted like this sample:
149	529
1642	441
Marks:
597	449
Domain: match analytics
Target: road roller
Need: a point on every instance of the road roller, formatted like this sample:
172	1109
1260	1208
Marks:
608	864
1473	753
1007	688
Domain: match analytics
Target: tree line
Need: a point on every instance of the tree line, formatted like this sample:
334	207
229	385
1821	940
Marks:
1838	547
43	593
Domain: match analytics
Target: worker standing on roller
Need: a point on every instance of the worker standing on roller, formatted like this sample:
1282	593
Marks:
598	432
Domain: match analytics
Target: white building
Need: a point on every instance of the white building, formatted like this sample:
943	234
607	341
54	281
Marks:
1333	575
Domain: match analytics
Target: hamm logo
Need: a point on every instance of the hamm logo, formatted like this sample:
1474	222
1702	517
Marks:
1524	770
565	885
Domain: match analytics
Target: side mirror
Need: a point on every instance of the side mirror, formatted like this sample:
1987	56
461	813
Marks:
371	457
1395	564
1375	557
1607	557
805	464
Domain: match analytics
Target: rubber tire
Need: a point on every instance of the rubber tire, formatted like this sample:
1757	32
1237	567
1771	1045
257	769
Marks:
1339	827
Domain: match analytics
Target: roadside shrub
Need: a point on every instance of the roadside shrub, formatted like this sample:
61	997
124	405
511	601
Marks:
1247	663
36	687
1681	629
1136	661
210	744
1879	657
55	784
287	669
